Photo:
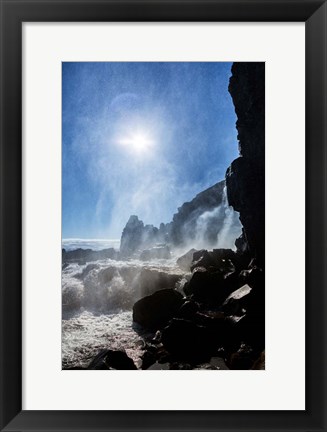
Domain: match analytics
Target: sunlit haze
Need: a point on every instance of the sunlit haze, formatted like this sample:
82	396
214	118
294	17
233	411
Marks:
141	138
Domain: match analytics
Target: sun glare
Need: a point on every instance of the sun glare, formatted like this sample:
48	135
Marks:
139	142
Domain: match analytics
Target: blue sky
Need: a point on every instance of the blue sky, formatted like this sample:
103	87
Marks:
140	138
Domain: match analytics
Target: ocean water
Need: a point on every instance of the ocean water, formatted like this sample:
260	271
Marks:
98	297
94	244
97	302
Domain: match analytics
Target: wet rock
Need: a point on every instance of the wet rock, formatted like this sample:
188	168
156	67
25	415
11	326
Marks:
207	287
251	330
188	309
210	319
224	260
155	310
149	281
236	302
187	340
259	364
149	357
74	368
254	277
242	244
242	359
180	366
185	261
159	366
203	258
157	337
109	359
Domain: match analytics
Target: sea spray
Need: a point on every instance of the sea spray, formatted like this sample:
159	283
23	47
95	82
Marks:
110	286
231	228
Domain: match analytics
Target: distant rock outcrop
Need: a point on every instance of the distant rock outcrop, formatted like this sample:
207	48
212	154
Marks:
136	236
200	222
82	256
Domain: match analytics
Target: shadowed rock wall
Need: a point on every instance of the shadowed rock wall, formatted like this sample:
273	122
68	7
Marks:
245	178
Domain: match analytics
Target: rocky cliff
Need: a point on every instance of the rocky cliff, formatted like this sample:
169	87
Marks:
200	222
137	236
200	218
245	178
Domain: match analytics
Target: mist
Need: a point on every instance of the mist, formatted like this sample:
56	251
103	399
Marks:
141	138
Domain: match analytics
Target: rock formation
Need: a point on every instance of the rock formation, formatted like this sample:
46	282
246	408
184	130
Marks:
187	223
82	256
223	313
245	178
136	236
198	222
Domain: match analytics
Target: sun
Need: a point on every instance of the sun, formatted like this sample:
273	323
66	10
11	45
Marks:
138	142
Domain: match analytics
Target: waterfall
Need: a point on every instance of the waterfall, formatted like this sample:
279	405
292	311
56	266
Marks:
231	227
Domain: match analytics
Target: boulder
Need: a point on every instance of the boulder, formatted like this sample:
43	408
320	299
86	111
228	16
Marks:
224	260
254	277
203	258
185	261
187	340
110	359
150	280
236	302
154	311
207	287
242	359
188	309
259	364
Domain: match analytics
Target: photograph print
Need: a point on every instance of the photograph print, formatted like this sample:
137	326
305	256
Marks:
163	216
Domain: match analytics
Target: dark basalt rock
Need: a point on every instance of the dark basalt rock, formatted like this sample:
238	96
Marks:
210	287
154	311
185	261
236	302
203	258
152	280
243	358
259	364
109	359
254	277
188	310
187	340
82	256
245	178
224	260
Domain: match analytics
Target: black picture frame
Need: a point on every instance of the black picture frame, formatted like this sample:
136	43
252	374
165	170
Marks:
13	14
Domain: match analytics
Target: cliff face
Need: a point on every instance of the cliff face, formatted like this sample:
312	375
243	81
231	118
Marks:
199	222
245	178
190	222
